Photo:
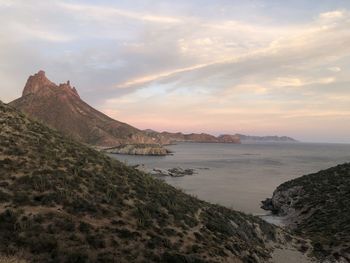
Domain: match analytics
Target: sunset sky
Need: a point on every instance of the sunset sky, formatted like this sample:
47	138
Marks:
258	67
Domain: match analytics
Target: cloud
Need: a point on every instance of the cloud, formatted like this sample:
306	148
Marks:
103	13
157	76
24	31
252	88
6	3
334	69
337	14
299	82
184	64
311	44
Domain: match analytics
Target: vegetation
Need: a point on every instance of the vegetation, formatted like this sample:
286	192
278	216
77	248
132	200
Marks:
61	201
323	210
11	259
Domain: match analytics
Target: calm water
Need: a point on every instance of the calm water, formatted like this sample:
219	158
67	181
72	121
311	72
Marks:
240	176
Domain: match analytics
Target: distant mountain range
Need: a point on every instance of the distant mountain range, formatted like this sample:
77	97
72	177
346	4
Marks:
258	139
193	137
61	107
224	138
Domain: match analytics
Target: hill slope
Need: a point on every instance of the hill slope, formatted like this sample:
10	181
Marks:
317	206
60	107
61	201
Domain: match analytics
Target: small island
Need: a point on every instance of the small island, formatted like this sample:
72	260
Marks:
138	149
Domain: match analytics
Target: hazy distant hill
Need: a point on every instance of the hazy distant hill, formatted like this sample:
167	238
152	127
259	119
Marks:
225	138
60	107
61	201
257	139
192	137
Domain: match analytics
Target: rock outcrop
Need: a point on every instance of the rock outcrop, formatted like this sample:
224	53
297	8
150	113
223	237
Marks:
173	172
37	83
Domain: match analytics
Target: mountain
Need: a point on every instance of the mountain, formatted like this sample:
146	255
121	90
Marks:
257	139
228	138
173	137
60	107
61	201
317	206
192	137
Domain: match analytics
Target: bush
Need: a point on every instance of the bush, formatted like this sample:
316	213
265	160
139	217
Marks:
43	243
77	256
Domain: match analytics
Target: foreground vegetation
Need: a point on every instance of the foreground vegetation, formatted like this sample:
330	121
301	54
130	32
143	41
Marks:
61	201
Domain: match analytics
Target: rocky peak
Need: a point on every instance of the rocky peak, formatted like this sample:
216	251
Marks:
39	82
67	87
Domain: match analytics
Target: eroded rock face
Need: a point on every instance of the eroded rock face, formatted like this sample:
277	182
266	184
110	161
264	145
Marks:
282	201
39	85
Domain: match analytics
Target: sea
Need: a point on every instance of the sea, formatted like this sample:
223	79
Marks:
240	176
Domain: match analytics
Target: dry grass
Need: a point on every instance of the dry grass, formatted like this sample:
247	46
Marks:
11	259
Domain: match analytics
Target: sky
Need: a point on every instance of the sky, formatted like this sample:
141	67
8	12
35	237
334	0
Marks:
258	67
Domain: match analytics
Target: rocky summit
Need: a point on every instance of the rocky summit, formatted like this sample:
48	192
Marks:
61	201
60	107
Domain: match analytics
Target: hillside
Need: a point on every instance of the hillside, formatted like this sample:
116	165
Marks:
317	206
60	107
61	201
